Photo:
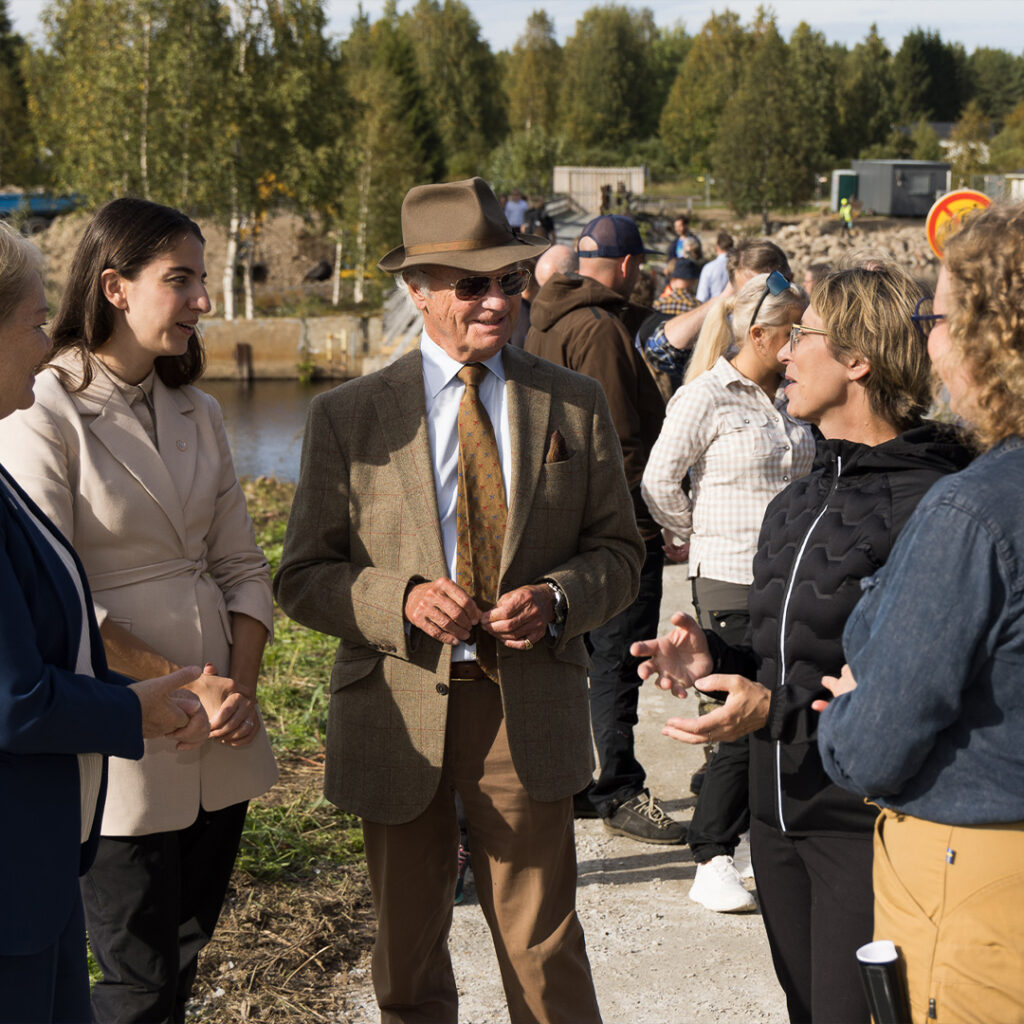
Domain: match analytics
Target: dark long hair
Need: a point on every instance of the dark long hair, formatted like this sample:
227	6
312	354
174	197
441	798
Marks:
124	235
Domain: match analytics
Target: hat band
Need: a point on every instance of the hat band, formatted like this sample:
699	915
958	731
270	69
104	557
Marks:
463	245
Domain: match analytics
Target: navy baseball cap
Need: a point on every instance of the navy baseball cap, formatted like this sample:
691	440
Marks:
684	269
616	236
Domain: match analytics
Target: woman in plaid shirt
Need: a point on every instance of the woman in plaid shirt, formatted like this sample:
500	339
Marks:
727	432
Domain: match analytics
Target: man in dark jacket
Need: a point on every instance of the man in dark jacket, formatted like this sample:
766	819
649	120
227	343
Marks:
585	322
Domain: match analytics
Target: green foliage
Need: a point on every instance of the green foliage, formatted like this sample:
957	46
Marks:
297	839
759	156
461	80
532	77
811	68
864	96
293	832
525	160
707	78
392	146
996	80
1007	151
604	98
925	142
17	141
969	141
930	77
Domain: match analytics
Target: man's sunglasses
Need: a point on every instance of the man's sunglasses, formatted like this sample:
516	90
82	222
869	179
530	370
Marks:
775	285
467	289
923	316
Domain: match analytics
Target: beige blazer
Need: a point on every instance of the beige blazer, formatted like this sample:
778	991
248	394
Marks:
169	551
365	524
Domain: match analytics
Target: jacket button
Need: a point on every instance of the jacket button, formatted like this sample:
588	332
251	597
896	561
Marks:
442	688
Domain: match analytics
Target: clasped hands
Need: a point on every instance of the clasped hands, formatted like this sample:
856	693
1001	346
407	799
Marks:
443	610
680	660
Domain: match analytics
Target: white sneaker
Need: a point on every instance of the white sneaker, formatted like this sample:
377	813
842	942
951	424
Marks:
741	857
717	886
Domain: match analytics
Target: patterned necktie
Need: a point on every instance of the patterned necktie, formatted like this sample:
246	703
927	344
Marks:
481	510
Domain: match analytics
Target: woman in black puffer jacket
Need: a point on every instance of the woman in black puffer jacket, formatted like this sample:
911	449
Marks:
857	368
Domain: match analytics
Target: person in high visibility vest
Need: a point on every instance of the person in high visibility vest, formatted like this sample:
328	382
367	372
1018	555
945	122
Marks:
846	215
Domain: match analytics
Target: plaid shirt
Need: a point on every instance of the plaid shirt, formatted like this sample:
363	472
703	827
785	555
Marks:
740	449
675	301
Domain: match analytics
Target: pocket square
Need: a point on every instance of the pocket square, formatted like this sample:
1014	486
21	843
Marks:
557	451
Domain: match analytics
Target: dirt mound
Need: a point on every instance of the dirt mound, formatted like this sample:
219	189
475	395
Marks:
286	247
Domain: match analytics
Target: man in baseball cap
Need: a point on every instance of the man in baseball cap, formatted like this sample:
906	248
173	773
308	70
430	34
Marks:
586	323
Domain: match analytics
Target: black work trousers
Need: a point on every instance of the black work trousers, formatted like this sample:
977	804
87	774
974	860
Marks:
722	813
151	904
615	687
818	908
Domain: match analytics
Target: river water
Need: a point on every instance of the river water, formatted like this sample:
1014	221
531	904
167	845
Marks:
264	423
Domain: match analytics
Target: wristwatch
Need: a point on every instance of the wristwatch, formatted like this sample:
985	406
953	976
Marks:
561	604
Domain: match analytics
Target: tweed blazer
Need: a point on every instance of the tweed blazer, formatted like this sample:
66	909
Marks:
365	525
48	714
169	551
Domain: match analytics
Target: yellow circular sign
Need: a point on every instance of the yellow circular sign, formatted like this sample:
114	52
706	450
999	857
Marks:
949	213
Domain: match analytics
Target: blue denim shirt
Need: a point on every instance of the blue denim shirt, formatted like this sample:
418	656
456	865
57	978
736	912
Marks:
935	727
664	356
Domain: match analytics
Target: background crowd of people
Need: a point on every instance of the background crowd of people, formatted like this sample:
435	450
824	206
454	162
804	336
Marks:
477	526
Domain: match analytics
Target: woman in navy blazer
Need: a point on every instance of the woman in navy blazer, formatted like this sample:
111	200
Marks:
61	709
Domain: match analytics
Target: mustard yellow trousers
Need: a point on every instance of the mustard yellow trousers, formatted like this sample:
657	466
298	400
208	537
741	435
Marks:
952	899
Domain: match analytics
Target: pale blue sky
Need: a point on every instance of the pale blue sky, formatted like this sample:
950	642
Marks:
996	23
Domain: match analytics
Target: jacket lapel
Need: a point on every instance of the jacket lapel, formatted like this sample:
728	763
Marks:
528	394
176	432
112	422
402	414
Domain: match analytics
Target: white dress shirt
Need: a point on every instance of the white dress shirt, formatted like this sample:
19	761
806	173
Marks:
444	392
740	449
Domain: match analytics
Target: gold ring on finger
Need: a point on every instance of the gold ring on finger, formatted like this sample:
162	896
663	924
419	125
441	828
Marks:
528	644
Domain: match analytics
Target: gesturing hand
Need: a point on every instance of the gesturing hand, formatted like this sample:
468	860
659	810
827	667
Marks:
745	709
836	686
520	618
442	609
678	658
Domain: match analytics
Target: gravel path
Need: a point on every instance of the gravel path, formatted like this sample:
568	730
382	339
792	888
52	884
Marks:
657	958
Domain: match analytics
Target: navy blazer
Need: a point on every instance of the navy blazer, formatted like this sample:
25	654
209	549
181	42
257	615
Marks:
48	715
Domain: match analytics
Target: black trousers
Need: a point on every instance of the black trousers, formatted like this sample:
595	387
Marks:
151	904
818	907
722	813
615	687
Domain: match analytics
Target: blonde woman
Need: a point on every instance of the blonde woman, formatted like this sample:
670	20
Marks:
856	367
728	432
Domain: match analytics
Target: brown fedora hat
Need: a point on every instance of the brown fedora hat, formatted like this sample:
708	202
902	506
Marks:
458	224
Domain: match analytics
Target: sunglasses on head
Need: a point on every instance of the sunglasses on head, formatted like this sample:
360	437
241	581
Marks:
469	288
776	284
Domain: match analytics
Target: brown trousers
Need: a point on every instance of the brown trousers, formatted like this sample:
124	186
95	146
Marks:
952	899
524	863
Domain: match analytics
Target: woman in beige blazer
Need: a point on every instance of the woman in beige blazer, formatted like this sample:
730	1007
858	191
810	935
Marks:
132	464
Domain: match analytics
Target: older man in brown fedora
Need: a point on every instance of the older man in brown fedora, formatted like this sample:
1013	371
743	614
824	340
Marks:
461	520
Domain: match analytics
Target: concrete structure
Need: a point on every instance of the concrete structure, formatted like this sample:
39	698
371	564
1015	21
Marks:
583	185
288	348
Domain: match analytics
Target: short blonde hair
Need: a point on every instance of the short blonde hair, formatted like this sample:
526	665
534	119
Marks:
985	262
867	313
19	259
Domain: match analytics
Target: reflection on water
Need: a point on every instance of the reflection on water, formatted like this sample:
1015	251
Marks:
264	423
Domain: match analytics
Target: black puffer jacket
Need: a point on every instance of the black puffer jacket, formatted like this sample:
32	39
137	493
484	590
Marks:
820	537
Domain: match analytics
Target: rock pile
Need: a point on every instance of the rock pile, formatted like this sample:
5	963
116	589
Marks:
818	240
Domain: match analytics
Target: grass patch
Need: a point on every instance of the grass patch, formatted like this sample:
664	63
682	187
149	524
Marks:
298	920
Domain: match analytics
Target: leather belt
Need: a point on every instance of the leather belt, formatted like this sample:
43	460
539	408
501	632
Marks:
467	670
